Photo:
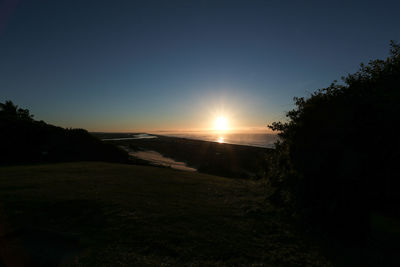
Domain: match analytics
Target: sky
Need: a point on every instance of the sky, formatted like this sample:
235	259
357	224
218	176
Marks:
177	65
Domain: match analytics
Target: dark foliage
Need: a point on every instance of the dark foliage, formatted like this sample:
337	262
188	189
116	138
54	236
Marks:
339	150
25	140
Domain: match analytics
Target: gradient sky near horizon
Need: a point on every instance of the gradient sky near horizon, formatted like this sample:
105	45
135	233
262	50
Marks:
175	65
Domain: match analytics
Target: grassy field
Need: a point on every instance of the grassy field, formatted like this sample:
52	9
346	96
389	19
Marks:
113	214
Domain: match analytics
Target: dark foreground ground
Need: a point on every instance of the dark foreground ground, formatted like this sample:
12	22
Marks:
102	214
228	160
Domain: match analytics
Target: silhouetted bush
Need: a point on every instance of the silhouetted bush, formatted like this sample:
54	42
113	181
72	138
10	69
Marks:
25	140
338	154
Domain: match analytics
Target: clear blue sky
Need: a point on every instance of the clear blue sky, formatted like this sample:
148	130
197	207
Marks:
148	65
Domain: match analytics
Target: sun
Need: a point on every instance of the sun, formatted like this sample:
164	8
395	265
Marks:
221	123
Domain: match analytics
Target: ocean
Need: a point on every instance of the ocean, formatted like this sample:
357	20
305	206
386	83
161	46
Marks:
248	139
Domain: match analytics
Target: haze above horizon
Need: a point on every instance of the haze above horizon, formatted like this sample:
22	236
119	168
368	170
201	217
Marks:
181	65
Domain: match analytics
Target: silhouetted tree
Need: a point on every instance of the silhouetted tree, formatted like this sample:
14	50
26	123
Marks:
8	109
24	140
338	151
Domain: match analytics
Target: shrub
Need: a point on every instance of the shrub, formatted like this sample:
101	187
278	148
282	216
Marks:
338	151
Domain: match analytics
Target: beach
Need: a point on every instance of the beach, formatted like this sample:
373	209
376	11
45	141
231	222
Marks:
228	160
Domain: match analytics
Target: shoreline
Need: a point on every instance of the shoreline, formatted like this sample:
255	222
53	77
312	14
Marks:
155	158
244	140
228	160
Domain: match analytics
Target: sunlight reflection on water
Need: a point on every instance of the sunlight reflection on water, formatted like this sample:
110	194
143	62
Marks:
248	139
221	139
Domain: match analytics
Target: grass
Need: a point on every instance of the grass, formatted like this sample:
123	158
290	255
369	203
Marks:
91	213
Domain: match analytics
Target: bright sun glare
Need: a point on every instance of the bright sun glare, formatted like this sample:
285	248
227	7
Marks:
221	124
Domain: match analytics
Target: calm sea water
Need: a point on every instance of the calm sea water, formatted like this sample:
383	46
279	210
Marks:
133	136
248	139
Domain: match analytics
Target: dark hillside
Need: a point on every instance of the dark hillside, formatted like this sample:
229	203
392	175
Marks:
25	140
